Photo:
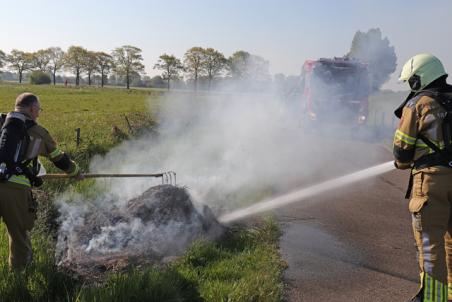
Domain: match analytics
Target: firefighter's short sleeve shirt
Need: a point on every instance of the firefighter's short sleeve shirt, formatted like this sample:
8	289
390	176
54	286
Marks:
421	114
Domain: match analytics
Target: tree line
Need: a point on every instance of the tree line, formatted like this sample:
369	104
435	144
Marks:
241	71
126	62
123	61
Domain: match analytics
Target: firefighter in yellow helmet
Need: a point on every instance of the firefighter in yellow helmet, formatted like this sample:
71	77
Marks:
22	140
422	143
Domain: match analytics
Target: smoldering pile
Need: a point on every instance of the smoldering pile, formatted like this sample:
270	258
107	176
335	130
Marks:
152	228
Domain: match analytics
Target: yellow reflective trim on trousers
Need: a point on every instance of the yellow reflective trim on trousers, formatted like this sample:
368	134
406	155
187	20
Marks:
20	179
428	288
430	283
449	291
405	137
55	153
438	291
434	290
445	292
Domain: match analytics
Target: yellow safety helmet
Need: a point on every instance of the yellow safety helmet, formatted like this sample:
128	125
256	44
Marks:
421	70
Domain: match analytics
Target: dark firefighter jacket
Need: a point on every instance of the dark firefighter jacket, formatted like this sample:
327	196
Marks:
43	144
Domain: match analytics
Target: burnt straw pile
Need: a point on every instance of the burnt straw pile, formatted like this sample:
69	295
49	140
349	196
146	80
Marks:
156	226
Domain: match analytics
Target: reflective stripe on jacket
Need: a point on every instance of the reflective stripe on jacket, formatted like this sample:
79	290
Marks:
20	180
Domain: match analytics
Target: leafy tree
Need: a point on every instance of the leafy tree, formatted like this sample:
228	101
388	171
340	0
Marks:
38	77
135	80
171	67
56	61
41	59
90	64
258	68
104	64
157	82
2	59
371	48
75	60
238	64
214	63
244	65
113	80
127	61
194	60
20	61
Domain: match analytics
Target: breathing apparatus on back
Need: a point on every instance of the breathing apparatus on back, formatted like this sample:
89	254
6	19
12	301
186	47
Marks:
14	141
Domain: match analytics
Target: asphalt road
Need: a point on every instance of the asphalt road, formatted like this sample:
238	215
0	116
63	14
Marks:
353	244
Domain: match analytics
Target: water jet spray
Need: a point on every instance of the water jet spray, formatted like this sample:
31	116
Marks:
301	194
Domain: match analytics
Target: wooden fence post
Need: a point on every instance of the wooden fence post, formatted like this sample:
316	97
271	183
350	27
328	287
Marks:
77	138
128	124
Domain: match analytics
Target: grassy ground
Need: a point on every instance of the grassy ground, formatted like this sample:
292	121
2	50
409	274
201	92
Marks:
245	266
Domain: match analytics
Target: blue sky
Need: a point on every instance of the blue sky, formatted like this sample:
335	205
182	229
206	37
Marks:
284	32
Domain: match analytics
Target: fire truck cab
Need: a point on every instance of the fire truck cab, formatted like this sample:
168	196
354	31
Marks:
335	91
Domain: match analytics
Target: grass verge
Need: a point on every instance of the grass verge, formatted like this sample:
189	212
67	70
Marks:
245	266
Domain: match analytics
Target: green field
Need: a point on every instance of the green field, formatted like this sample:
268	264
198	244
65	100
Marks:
245	266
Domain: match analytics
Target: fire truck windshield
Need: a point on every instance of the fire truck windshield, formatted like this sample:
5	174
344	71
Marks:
343	81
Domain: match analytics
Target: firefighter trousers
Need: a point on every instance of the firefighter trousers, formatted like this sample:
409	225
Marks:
18	211
431	208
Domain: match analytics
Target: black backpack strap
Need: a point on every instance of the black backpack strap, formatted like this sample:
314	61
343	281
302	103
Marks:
429	143
423	160
410	185
446	104
2	119
31	172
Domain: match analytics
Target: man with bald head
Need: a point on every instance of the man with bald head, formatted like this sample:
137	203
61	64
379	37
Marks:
22	140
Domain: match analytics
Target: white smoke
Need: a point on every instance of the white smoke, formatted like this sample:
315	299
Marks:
228	150
219	146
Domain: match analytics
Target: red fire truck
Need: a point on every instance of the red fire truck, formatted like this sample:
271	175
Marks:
335	91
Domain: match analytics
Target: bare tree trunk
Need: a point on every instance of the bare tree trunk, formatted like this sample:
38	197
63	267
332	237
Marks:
196	81
168	83
128	80
54	77
89	78
77	78
20	76
102	78
210	76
